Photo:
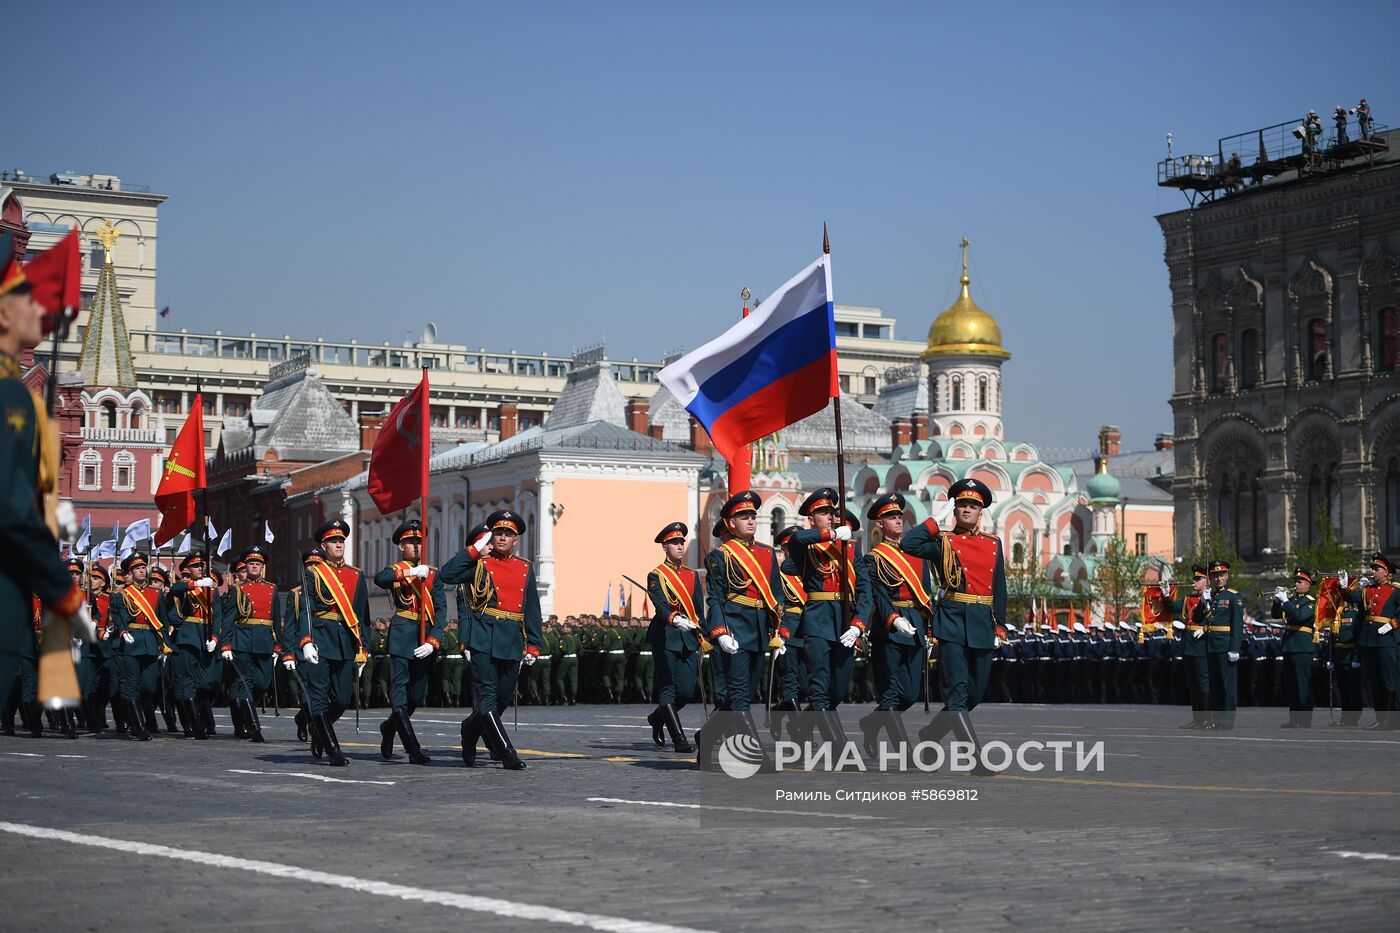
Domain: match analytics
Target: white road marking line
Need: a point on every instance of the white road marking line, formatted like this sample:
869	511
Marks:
486	905
70	756
560	725
706	806
314	777
1217	737
1366	856
25	754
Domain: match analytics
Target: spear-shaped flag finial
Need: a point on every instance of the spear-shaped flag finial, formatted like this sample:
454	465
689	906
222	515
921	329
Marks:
826	241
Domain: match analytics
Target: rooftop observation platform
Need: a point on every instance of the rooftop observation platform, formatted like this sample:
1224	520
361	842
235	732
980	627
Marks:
1277	150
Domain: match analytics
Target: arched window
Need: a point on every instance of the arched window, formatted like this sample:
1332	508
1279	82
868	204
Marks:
109	414
1220	362
1249	358
1391	532
1018	554
89	470
1317	350
957	393
779	523
137	410
1388	346
935	396
982	397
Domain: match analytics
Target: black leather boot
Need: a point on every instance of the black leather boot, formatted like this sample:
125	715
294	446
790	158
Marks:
496	735
938	727
386	736
334	757
410	739
963	731
471	731
673	725
658	724
134	723
301	720
250	722
68	723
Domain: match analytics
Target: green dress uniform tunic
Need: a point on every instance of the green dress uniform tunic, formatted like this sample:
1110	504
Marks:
897	658
409	675
674	591
1224	623
196	614
1380	653
816	555
252	629
338	633
738	605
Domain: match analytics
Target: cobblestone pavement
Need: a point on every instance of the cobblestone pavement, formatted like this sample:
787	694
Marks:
1250	828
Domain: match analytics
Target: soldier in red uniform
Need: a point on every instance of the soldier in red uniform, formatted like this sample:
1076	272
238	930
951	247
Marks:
248	640
1378	638
505	630
674	635
140	628
415	632
968	620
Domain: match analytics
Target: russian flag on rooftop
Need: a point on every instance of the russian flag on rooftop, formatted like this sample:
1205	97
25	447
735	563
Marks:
771	369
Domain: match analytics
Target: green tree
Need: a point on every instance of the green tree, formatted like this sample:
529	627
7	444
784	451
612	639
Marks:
1326	554
1117	579
1026	583
1217	547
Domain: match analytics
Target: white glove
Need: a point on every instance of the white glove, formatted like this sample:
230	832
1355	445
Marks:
417	573
1199	633
289	663
903	626
781	650
1364	582
850	636
311	654
945	512
1355	664
685	624
1206	595
1343	578
80	624
226	655
66	520
842	533
998	641
528	660
423	650
729	644
466	655
1233	656
205	583
359	669
210	645
129	638
480	543
1384	629
1281	595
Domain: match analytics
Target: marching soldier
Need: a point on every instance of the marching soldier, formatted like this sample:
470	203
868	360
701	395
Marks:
791	671
901	588
289	633
674	635
1223	617
1377	644
1193	647
137	619
833	574
333	625
970	567
1299	613
566	671
1346	666
250	640
159	578
194	617
101	683
744	595
415	632
504	600
31	567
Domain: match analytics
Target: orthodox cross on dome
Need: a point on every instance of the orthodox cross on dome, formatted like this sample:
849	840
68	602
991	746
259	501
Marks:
965	243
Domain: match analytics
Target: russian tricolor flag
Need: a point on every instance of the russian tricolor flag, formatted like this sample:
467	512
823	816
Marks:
773	368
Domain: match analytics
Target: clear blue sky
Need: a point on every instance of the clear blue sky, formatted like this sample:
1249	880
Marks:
539	176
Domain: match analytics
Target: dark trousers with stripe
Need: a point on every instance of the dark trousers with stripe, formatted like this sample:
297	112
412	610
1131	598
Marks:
408	681
742	672
329	686
493	682
676	673
965	675
898	669
829	666
139	676
1297	681
1381	666
257	672
1197	681
1223	682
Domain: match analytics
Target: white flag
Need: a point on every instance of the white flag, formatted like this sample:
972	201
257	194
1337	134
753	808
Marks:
210	532
184	547
84	539
107	548
267	531
225	542
136	532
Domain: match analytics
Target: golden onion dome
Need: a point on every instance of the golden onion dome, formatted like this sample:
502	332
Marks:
965	329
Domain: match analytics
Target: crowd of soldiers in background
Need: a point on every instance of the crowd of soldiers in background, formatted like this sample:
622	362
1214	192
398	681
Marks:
593	659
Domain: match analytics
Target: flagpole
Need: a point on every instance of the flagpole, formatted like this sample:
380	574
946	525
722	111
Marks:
840	474
204	508
426	429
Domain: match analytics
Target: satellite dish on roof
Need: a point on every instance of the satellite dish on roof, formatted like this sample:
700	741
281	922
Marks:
430	333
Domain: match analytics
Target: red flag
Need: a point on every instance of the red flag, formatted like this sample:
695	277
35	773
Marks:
184	473
398	465
56	275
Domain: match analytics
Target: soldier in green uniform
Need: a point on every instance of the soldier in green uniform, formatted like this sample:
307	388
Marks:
1377	639
542	673
971	567
194	615
790	670
614	662
415	632
136	617
674	635
1223	615
31	567
1299	613
287	638
450	666
159	578
334	626
744	599
248	641
566	670
1192	647
505	632
1346	667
